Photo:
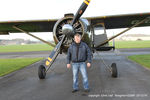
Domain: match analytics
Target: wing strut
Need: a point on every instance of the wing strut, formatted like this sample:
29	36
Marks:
19	29
142	21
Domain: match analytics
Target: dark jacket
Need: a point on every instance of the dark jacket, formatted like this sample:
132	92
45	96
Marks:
81	55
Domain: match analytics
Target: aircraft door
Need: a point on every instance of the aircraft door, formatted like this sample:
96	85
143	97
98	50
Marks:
99	34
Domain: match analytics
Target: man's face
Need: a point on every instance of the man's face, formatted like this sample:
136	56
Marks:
77	38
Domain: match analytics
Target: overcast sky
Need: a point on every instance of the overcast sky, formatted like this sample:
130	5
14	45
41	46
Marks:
52	9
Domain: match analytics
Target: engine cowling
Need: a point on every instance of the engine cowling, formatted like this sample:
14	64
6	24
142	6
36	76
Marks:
78	27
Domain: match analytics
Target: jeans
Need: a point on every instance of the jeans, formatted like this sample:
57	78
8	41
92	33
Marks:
76	67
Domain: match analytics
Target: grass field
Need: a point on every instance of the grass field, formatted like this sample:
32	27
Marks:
23	48
143	60
10	65
45	47
131	44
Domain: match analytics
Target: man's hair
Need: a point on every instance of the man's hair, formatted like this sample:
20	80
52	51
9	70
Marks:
77	34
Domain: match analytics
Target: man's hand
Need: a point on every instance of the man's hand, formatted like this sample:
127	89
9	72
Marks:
68	66
88	65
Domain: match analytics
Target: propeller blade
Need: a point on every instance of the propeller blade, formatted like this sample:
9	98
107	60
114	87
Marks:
80	11
54	54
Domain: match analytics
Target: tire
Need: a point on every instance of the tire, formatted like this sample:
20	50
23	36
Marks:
41	72
114	70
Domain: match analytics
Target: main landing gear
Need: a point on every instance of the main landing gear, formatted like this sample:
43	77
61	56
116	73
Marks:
42	72
112	69
49	61
114	72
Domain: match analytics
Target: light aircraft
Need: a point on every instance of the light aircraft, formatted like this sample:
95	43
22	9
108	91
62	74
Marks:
63	30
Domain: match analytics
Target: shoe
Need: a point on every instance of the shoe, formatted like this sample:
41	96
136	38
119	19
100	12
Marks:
73	91
87	90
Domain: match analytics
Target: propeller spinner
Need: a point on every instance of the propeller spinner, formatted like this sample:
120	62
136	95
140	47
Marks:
68	30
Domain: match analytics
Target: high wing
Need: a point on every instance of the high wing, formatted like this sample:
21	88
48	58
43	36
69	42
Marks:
110	22
29	26
120	21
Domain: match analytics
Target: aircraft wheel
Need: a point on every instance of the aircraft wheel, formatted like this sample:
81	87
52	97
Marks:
114	70
41	72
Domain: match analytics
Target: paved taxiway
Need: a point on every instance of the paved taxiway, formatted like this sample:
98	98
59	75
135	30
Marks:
133	82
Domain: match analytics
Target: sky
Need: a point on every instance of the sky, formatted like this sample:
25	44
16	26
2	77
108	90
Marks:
54	9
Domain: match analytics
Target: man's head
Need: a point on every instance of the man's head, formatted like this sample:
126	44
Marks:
77	38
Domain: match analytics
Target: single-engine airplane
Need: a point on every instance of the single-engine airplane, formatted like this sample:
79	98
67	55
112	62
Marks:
63	30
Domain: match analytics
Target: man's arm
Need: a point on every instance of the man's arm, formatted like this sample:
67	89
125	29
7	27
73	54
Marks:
88	54
69	55
69	58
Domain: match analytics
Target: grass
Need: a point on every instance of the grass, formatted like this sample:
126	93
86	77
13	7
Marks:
25	48
10	65
45	47
131	44
143	60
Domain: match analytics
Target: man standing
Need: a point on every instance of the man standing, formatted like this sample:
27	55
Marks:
78	54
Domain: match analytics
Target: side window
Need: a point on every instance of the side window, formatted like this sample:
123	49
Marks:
99	29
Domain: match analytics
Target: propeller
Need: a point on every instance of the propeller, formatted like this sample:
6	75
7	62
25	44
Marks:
80	11
67	29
